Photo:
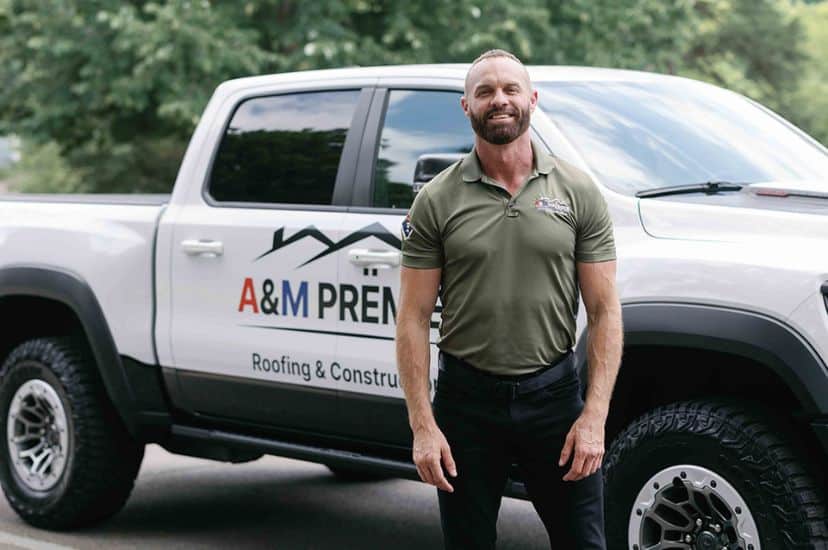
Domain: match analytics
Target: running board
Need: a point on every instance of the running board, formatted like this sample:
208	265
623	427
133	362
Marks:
322	455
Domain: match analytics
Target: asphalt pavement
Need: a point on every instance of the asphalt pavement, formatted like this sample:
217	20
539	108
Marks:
183	502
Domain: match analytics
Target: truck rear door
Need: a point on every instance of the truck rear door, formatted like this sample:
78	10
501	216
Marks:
254	262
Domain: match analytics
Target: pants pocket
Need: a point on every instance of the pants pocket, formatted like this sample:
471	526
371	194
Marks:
568	386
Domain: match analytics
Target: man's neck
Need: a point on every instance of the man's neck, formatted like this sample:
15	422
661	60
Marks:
509	164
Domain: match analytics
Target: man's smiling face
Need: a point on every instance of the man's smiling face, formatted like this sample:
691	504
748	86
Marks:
499	99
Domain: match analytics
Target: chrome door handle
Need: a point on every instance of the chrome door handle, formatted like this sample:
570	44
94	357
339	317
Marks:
374	258
202	247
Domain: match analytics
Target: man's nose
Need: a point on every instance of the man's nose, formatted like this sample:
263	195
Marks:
500	99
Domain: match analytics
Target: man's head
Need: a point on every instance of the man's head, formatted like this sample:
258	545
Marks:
499	98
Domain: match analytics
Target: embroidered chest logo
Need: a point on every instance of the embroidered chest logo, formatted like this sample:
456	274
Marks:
551	206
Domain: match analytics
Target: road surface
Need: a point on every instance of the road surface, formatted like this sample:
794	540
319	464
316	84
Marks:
183	502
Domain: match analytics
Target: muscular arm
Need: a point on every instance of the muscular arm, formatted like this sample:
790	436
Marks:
605	336
418	294
604	346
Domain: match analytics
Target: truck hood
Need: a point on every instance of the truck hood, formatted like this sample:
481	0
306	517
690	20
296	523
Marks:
773	212
744	249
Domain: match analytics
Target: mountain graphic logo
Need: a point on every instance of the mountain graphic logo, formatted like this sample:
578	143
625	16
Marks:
376	230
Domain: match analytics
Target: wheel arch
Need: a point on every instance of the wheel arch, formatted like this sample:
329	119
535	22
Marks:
30	291
679	351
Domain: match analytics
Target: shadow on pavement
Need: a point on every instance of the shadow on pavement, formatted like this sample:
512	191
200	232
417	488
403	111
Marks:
245	509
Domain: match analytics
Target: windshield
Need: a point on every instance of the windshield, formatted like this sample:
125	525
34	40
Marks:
642	135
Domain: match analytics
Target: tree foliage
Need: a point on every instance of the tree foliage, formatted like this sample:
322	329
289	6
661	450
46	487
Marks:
809	104
117	87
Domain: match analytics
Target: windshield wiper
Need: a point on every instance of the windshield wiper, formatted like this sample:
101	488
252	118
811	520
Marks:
709	187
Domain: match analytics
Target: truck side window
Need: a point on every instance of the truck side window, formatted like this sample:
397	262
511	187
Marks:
283	149
417	122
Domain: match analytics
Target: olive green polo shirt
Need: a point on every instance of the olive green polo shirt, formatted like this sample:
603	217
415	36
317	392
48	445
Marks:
508	285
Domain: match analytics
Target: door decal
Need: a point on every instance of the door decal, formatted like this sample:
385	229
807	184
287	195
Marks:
374	230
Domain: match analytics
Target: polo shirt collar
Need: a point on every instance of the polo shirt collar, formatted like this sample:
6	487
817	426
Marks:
471	170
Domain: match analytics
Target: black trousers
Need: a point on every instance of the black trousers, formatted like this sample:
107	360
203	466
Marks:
490	424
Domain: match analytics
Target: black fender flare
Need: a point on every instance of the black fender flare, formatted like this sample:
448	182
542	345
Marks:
69	289
749	334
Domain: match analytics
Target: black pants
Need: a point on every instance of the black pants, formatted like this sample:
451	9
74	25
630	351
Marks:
489	426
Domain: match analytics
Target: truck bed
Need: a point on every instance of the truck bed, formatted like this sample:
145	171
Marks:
107	241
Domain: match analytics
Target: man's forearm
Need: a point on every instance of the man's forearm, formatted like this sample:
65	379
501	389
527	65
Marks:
604	347
413	358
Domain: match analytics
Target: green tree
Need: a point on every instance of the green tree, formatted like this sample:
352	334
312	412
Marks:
42	169
117	87
754	47
811	98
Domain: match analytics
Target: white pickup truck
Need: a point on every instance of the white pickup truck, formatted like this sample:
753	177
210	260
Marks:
252	310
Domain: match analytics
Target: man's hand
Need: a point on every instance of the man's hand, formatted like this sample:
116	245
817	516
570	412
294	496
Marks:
431	451
586	437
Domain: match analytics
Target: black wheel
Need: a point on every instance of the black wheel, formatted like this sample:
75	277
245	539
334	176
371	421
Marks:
355	473
66	459
707	475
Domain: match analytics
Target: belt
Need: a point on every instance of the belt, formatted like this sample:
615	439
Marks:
456	371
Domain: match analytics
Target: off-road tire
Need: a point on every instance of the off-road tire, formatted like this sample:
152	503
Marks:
737	442
102	458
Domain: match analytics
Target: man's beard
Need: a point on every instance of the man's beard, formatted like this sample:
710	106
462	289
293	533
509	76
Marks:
500	134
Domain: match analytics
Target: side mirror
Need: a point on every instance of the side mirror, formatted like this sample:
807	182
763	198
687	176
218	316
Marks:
431	164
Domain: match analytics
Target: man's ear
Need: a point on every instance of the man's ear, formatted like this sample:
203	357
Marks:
465	105
533	101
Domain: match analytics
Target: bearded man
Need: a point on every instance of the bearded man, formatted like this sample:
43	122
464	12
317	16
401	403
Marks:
507	237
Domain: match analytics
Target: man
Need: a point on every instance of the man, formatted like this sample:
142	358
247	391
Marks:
506	236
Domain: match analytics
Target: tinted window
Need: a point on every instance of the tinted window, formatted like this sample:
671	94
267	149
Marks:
638	136
283	149
416	123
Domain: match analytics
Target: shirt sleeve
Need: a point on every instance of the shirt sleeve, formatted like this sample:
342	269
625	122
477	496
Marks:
594	241
422	245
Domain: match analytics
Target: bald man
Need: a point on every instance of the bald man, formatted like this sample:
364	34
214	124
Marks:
507	237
